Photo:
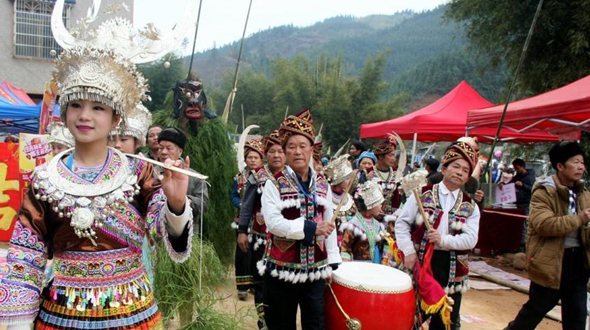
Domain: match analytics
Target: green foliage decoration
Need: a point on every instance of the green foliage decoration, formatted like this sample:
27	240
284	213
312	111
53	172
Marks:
212	153
177	285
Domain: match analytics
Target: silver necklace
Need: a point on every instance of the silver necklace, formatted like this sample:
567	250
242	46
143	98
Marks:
86	203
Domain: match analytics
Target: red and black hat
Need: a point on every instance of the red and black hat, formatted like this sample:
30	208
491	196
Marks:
301	124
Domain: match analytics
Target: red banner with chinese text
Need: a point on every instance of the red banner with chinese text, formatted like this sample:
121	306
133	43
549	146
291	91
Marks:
10	194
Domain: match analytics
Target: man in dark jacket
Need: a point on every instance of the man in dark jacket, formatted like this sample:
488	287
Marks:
431	165
524	181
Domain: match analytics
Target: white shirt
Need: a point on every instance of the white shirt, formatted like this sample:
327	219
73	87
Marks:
276	224
466	240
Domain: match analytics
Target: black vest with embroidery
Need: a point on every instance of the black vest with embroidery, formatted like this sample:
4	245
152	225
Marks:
261	175
457	223
290	255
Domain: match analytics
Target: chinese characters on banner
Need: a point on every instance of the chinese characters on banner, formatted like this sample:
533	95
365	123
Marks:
17	162
506	195
10	196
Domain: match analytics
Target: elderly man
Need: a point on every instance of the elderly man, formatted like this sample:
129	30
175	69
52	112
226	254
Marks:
172	141
302	248
558	243
454	218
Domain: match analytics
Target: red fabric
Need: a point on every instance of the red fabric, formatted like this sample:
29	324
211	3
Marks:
570	103
428	288
18	92
445	120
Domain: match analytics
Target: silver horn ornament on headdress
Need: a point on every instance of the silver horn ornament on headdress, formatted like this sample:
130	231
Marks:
241	145
117	34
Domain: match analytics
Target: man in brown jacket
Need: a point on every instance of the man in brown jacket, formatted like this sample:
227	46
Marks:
558	247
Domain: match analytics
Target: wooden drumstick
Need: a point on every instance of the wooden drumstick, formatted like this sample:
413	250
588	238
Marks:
171	168
421	208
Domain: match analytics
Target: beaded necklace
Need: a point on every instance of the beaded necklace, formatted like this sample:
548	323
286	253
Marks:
371	230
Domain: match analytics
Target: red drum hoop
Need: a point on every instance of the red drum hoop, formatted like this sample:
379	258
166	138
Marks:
380	297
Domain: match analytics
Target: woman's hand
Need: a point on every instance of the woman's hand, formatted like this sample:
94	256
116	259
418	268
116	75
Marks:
175	185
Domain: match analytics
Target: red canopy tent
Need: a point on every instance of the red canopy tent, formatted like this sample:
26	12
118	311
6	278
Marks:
445	120
562	110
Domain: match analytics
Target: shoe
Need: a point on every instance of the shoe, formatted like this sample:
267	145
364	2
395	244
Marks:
242	295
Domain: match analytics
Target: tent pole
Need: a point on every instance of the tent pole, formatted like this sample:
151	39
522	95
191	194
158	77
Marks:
414	149
514	81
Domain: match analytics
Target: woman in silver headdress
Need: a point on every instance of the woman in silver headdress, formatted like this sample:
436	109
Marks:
60	138
91	208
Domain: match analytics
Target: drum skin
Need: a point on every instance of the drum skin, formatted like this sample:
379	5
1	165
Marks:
376	308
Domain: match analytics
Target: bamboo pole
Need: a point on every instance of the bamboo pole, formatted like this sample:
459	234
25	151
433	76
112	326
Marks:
501	281
421	208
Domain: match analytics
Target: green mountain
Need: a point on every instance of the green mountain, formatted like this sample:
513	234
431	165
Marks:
426	54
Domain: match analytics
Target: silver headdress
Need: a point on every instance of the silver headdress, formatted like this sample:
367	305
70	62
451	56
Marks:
138	122
59	133
117	34
371	194
99	64
338	170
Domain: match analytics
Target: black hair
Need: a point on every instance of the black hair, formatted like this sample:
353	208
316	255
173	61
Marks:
432	163
359	145
360	204
148	131
564	150
518	162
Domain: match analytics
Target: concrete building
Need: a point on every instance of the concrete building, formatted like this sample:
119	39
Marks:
27	46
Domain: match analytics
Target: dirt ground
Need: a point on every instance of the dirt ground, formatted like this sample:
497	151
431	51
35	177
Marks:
480	310
494	309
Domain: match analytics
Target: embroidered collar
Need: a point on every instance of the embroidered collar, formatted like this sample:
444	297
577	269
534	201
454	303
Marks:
86	203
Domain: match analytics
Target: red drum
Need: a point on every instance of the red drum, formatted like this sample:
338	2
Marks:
380	297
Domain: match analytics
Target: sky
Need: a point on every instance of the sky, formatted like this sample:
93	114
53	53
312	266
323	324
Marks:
222	21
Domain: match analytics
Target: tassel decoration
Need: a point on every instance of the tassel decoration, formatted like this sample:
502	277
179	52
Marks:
419	220
291	277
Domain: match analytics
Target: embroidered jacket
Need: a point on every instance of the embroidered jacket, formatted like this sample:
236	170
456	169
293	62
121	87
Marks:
362	240
459	236
261	175
389	188
290	253
103	258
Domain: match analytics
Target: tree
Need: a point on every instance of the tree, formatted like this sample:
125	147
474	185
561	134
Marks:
162	78
559	50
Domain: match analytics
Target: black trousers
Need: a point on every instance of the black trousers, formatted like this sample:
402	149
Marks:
572	292
441	263
244	276
257	282
281	300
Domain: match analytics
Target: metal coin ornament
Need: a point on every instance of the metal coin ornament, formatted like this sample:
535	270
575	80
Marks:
87	205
